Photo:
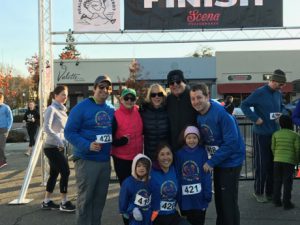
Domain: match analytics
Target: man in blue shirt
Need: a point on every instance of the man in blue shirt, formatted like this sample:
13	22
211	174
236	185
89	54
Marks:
268	105
89	130
226	149
6	120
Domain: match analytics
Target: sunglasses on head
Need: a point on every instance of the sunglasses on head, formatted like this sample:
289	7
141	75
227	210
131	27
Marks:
131	98
173	82
159	94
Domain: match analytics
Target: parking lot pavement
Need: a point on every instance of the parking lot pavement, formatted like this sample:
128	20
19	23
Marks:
11	179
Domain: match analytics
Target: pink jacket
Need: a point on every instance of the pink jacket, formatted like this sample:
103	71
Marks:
129	124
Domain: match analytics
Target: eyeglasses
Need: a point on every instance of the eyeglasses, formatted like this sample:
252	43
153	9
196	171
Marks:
107	87
126	98
173	82
159	94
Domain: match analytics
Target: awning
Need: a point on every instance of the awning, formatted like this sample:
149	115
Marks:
246	88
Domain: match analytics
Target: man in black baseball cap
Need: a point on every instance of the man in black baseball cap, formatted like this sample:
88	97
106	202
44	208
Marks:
180	111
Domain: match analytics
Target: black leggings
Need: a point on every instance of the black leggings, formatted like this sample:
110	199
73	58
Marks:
195	217
58	165
31	130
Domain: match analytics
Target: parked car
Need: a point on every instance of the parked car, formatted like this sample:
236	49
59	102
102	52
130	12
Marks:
19	111
239	114
292	105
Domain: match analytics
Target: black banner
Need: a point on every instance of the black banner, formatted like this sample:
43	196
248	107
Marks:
195	14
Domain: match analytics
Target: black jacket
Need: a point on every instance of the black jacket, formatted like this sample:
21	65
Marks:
181	114
155	127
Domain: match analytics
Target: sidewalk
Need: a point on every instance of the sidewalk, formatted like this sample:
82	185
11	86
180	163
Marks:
11	179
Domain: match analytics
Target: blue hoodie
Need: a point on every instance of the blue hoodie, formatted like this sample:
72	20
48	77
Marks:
135	193
196	188
222	137
86	120
266	103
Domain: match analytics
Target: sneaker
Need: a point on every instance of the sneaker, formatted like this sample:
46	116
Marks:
67	207
49	205
3	164
288	206
260	198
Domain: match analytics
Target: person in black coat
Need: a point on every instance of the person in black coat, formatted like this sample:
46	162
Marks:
229	106
31	117
155	119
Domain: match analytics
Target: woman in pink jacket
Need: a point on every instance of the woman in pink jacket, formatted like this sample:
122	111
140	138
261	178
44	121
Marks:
127	135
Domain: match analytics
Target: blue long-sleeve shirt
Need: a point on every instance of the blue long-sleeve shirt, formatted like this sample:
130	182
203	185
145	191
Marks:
296	114
6	117
195	185
135	194
164	189
222	137
268	106
87	120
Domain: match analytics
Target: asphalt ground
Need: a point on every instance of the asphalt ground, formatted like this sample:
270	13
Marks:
12	176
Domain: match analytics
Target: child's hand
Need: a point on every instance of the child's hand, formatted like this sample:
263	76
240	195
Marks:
137	215
154	215
207	168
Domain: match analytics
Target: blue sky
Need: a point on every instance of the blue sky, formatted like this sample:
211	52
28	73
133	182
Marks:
19	36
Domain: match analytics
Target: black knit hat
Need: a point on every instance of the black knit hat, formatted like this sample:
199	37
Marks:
278	76
175	75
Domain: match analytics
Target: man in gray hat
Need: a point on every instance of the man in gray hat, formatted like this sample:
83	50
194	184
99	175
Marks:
6	120
267	103
89	130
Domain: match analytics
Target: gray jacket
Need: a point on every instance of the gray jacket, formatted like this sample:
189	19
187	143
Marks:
55	119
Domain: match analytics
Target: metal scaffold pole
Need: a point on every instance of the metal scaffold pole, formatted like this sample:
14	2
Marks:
45	85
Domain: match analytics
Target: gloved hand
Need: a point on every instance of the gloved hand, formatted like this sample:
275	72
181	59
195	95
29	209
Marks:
137	215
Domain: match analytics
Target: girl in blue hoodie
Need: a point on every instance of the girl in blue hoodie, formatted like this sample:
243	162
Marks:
195	184
135	195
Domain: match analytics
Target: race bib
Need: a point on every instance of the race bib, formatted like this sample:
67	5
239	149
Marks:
191	189
167	205
211	149
142	201
274	116
104	138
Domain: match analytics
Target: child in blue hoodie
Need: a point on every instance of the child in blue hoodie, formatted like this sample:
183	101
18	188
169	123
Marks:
195	184
135	195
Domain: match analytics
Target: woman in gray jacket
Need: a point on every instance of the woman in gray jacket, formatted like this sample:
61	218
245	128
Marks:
55	119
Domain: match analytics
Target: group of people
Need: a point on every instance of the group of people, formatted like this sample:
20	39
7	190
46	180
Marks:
276	151
165	151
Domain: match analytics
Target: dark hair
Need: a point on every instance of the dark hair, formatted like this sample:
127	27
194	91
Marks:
146	162
160	146
286	122
56	91
201	87
228	99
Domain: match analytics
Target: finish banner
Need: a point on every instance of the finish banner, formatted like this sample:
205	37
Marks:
96	15
195	14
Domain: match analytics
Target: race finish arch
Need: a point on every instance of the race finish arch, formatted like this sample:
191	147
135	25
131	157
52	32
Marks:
135	22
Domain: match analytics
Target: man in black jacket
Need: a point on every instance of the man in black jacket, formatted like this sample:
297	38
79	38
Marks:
179	107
